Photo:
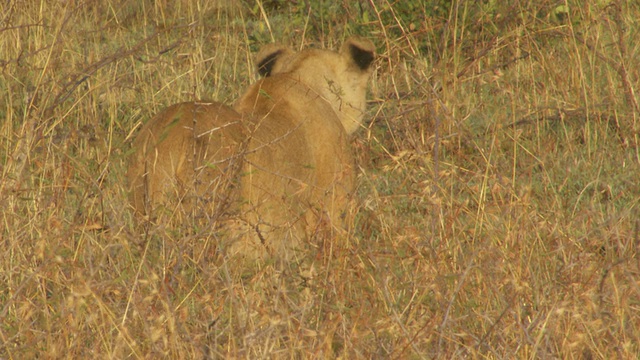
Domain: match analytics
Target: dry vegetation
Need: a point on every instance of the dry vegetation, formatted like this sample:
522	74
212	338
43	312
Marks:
498	190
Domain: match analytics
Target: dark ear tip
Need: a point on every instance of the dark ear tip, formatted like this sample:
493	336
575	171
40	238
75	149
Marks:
362	58
265	65
361	51
269	57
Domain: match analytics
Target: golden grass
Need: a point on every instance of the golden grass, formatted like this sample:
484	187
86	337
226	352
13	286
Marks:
498	193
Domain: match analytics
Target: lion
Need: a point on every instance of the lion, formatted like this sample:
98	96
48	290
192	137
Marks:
274	170
186	155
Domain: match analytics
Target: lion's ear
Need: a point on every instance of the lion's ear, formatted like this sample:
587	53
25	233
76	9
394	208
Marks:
359	50
270	59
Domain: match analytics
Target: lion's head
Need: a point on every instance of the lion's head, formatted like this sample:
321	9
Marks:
339	77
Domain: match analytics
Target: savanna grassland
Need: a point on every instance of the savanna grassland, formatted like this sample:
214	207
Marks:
498	192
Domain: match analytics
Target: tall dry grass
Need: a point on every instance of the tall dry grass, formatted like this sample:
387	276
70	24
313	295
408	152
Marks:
498	191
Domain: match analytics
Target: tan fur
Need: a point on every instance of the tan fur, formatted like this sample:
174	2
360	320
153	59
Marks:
187	155
279	165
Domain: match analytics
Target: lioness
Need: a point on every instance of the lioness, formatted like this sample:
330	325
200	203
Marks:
275	169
